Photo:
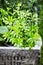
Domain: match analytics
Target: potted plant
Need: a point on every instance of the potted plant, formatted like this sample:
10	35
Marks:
19	28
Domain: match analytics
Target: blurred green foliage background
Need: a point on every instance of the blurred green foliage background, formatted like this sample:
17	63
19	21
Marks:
41	27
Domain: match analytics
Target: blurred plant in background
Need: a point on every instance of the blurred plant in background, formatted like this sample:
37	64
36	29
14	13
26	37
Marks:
41	28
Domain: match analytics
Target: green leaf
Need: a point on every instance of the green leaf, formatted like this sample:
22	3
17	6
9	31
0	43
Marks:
19	4
3	12
1	39
3	29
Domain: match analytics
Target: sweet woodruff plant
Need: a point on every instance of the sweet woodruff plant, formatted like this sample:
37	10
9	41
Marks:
20	28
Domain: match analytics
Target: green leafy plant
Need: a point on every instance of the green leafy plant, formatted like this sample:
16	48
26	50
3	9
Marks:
22	28
21	24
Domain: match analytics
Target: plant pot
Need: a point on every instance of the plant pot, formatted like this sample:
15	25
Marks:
20	56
